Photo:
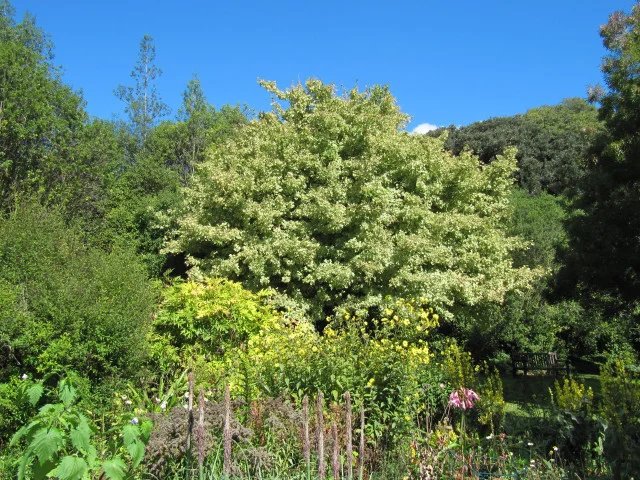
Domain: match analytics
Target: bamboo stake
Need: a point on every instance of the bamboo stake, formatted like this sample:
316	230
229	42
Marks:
306	447
200	433
347	397
361	452
190	410
227	432
322	468
335	457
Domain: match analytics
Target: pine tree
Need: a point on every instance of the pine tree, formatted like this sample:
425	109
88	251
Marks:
143	104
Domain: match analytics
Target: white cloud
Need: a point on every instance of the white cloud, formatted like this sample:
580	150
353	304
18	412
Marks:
424	128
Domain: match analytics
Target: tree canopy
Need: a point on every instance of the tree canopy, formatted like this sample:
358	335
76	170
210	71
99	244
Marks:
606	239
328	201
41	118
552	143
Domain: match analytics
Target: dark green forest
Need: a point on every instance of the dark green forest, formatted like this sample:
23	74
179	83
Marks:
316	247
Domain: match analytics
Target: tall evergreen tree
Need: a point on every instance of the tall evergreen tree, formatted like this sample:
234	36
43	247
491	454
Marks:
143	103
197	115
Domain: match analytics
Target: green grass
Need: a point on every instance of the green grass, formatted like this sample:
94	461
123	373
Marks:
533	391
528	401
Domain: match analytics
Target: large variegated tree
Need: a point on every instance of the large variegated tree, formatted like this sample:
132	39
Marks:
329	201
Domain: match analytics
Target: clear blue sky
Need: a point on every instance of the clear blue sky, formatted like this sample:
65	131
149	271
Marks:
447	63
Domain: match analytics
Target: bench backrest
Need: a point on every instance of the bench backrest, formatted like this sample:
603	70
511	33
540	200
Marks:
536	360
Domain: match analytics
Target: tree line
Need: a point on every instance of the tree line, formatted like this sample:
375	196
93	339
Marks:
330	203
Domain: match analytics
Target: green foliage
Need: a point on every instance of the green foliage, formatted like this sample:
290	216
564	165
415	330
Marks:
384	363
605	256
620	408
603	259
535	320
140	209
201	126
552	143
330	204
620	394
205	322
540	220
68	304
458	367
491	406
572	396
16	406
459	372
59	441
141	196
143	105
41	118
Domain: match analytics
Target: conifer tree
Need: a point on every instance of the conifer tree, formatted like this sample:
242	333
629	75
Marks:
143	103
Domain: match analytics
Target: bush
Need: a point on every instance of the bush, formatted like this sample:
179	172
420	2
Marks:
206	326
384	363
66	304
621	410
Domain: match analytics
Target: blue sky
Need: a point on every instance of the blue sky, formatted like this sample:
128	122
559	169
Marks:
445	62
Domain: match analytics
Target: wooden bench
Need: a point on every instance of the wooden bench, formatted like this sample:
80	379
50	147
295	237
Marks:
529	361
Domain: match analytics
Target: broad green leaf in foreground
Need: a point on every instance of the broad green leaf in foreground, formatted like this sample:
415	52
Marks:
70	468
114	468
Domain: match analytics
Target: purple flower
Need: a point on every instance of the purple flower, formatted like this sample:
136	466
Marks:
134	420
463	398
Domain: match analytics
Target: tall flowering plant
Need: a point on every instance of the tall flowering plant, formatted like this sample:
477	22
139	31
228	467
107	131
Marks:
463	398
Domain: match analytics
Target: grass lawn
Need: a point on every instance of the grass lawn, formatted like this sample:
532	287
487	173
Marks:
528	399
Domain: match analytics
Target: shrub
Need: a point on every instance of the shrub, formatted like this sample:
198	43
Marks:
207	326
66	304
620	408
384	363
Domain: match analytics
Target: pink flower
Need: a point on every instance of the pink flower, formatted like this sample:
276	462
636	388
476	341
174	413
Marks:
463	398
454	399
